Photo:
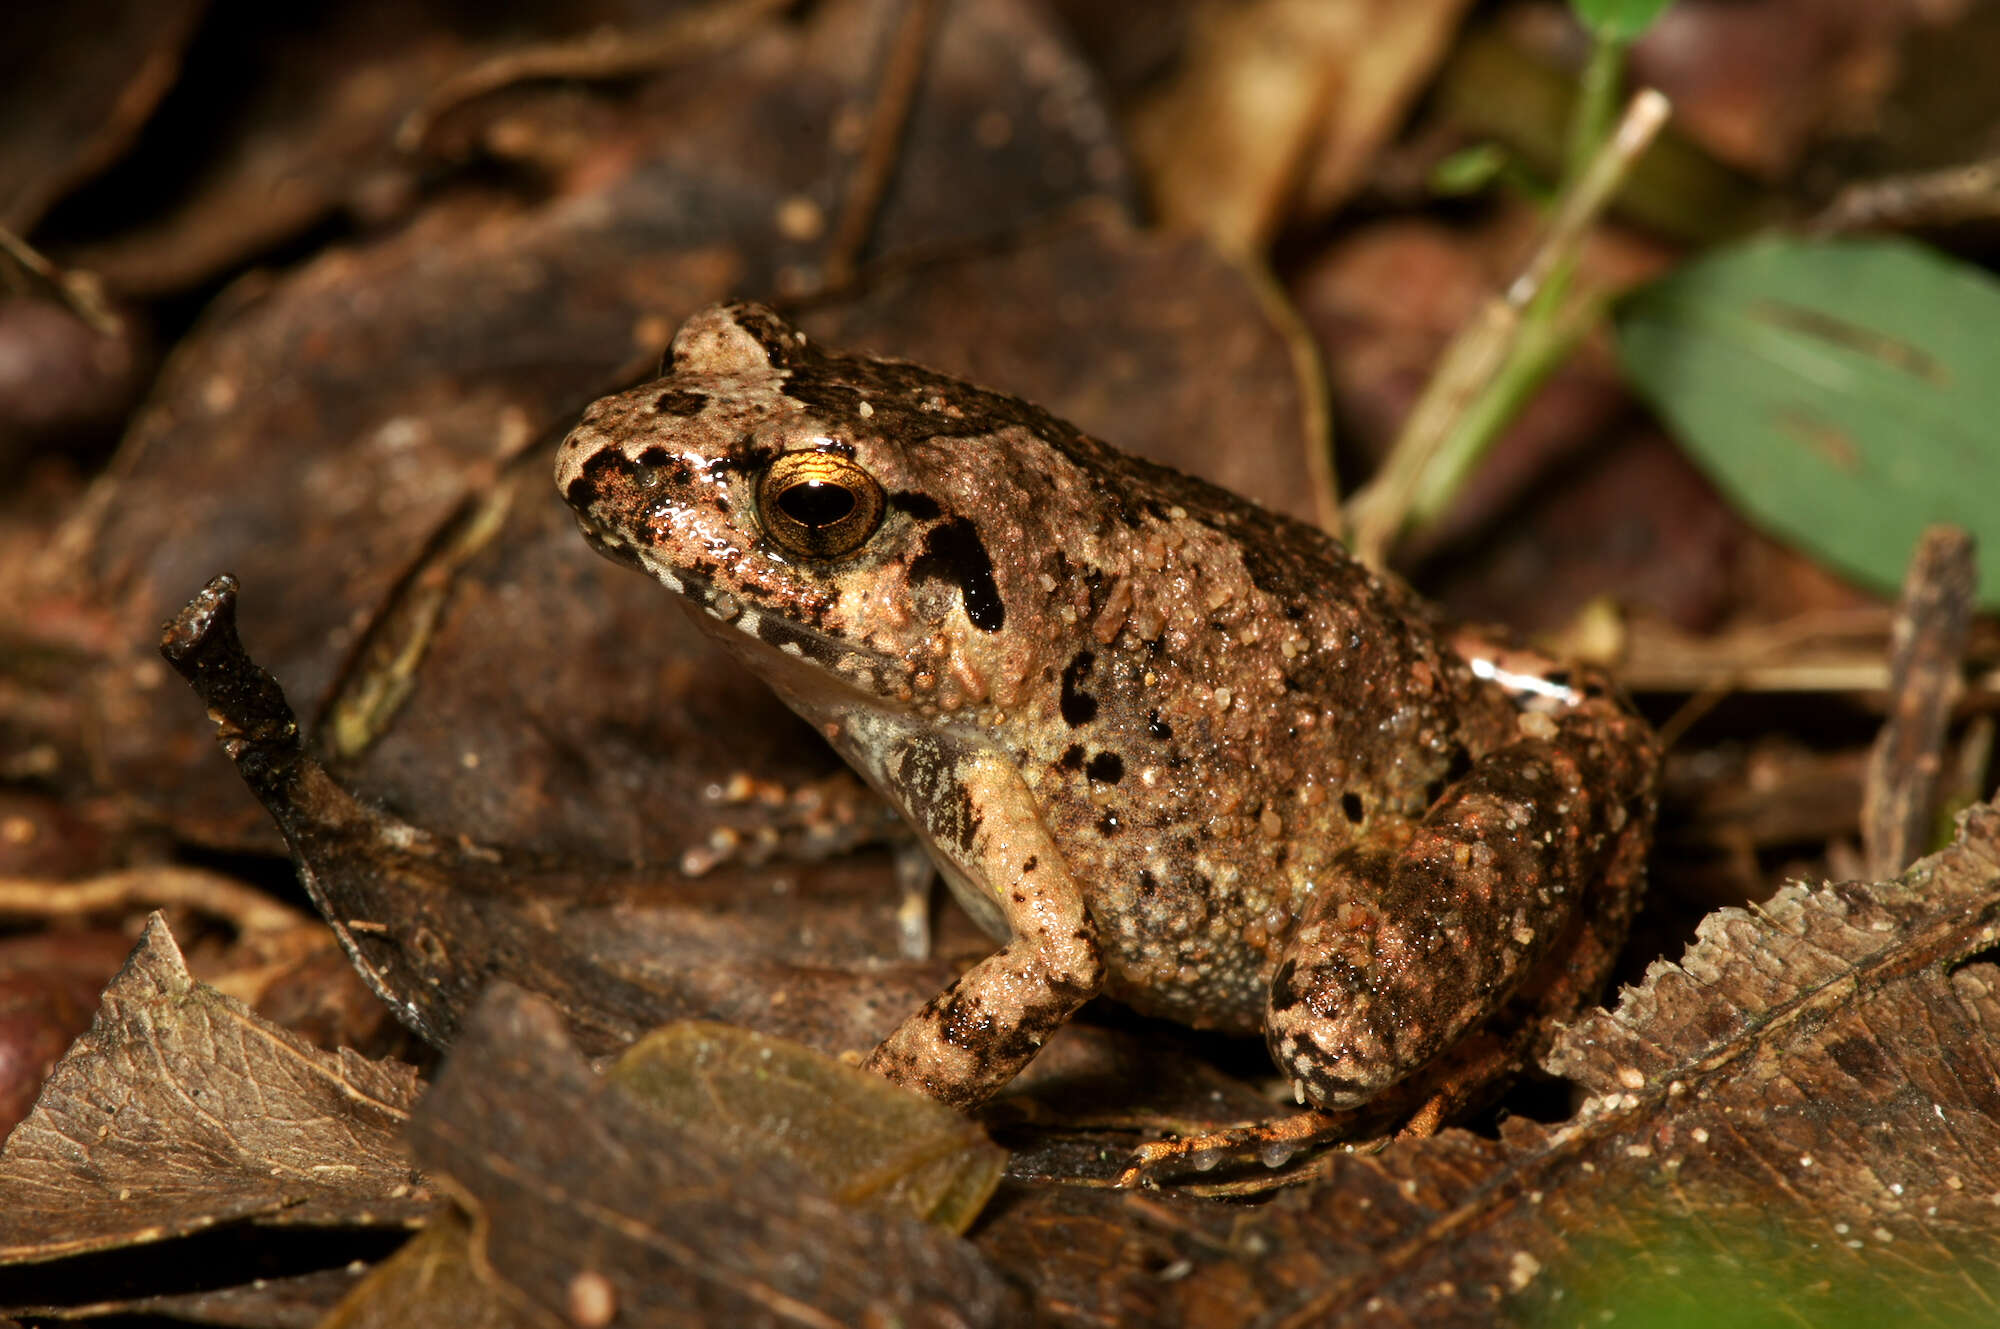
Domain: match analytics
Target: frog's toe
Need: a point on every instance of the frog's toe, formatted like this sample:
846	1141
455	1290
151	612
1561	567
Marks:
1331	1063
1272	1144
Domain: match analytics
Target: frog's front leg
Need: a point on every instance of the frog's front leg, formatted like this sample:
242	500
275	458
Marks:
1400	954
973	1037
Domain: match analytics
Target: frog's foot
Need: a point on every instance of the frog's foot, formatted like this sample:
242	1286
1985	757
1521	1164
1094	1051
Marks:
755	821
1272	1143
1423	1105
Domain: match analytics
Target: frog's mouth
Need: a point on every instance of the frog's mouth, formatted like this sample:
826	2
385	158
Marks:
822	661
821	677
641	558
612	546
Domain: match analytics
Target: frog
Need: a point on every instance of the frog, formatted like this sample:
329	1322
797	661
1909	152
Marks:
1163	744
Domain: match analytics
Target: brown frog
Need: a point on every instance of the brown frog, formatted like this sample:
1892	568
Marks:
1163	744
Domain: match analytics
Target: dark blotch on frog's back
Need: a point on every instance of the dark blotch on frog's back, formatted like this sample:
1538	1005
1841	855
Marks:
1078	706
1457	767
921	506
680	402
1106	768
954	552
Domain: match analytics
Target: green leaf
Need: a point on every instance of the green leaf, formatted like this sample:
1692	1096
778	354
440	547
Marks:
1844	394
870	1143
1738	1268
1469	170
1619	20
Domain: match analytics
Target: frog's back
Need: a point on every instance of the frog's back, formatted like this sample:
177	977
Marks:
1230	707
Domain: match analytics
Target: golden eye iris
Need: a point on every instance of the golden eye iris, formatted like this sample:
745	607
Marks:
818	504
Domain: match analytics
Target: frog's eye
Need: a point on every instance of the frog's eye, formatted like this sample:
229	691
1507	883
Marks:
818	504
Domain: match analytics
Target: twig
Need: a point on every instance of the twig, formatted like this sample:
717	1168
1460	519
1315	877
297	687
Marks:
1927	655
1956	194
1309	371
80	291
869	184
1483	349
603	53
249	910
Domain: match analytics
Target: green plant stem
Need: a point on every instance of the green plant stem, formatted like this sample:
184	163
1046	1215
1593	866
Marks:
1541	348
1591	123
1525	323
1596	109
1550	327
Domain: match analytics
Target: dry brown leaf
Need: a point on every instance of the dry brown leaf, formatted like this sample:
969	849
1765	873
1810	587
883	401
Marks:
433	1282
580	1193
1282	103
76	83
181	1110
866	1142
1809	1099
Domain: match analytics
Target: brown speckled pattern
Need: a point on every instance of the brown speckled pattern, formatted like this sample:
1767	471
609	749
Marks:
1262	788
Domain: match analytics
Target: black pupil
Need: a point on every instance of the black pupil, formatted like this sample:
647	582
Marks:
816	503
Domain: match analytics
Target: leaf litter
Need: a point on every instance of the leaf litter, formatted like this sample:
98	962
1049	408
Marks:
181	1113
1816	1074
1803	1103
579	1192
1816	1056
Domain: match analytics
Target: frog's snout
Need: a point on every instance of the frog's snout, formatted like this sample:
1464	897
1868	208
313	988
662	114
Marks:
577	447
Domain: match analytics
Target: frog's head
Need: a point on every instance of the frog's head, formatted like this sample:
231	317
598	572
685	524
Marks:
851	521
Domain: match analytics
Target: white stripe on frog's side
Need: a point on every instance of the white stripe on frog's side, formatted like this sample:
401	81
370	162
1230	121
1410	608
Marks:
657	567
1531	684
725	608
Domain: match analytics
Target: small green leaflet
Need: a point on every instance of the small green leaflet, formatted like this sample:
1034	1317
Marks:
1469	170
1619	20
1844	394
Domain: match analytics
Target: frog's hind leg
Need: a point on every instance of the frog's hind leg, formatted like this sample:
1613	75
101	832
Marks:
1397	959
